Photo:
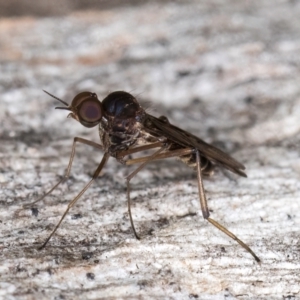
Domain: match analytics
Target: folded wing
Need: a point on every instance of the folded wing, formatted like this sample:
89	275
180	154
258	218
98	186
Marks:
159	127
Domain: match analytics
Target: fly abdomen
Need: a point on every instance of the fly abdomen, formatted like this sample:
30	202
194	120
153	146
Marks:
206	166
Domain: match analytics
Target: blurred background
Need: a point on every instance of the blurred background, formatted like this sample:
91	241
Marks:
228	55
227	71
52	8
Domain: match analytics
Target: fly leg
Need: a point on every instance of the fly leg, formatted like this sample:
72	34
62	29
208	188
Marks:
143	161
67	174
123	153
95	175
129	177
205	211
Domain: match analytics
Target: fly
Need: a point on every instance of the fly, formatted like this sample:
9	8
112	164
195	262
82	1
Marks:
125	128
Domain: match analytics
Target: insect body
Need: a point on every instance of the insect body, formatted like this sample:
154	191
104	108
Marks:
125	128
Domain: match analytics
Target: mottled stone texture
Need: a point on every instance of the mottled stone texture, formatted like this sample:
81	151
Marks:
228	71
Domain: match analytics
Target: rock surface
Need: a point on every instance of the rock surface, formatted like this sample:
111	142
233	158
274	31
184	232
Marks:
227	71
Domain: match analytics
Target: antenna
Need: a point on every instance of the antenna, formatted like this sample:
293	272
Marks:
63	102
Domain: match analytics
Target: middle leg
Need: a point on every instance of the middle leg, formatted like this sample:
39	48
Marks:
144	160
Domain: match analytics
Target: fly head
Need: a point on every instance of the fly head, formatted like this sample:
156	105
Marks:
85	108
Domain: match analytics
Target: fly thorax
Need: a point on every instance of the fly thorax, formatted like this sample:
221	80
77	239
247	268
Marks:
123	133
120	126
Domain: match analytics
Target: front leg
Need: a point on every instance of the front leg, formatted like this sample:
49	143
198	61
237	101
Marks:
67	174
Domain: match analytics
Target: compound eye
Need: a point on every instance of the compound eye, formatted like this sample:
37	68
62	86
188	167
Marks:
90	111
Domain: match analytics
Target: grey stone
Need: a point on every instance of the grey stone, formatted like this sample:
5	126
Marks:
227	71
